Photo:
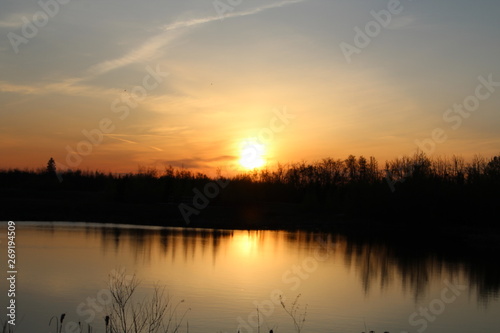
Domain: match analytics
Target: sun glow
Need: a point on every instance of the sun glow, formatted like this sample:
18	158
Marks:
252	154
246	243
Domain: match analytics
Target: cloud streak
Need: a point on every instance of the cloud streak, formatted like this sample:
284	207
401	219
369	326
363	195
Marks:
199	21
148	49
144	52
194	163
13	21
118	138
68	87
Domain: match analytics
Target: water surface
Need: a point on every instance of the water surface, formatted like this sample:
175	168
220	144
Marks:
223	276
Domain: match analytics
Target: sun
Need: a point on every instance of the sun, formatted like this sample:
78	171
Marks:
252	154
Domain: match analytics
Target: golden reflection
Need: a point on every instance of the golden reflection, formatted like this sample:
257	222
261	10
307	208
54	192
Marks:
249	258
246	243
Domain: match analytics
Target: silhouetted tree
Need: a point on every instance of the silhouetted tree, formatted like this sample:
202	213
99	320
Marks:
352	167
363	168
51	166
493	167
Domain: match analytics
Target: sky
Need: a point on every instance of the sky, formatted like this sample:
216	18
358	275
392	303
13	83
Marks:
234	84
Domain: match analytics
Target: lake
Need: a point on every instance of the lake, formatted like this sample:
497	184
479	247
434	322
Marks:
343	284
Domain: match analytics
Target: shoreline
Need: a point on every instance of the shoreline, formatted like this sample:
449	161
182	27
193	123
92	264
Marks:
397	221
279	217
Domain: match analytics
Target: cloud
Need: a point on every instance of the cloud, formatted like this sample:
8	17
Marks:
204	20
149	48
155	148
401	22
169	129
119	137
20	89
115	137
68	86
13	21
144	52
195	163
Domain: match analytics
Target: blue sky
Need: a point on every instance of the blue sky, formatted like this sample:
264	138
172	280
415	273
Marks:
229	72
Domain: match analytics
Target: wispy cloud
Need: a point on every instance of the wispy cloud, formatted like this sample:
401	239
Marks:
204	20
116	137
69	86
193	163
169	129
405	22
13	21
146	51
17	88
155	148
149	48
119	137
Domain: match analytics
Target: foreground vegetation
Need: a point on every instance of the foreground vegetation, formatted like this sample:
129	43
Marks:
156	314
442	191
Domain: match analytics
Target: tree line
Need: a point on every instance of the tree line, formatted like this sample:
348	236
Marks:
416	187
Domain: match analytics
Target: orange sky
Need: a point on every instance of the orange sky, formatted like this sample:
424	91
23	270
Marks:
184	84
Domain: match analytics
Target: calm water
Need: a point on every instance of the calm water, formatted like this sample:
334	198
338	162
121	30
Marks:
223	276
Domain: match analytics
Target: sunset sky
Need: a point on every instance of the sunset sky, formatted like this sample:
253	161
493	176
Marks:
270	76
